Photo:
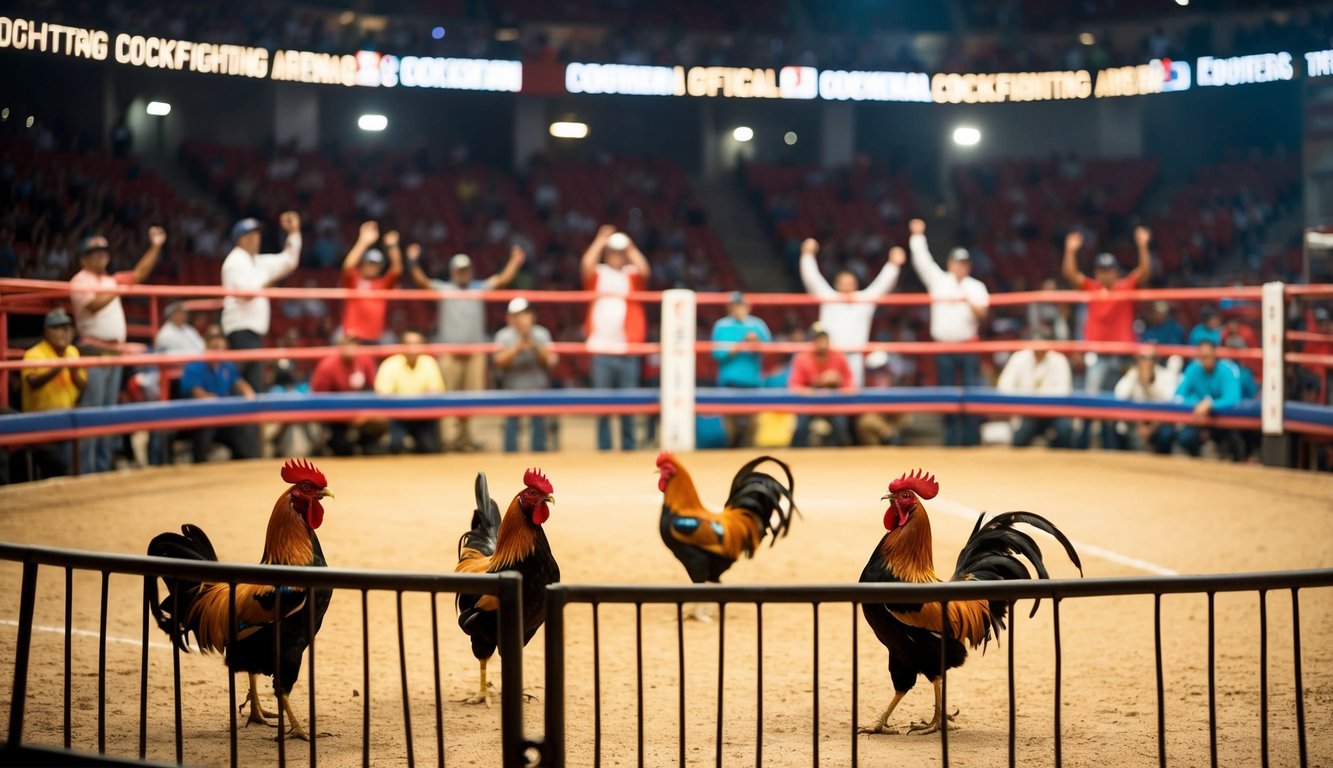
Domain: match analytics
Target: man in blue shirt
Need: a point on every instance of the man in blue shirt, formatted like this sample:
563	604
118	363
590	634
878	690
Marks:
1208	329
739	361
207	379
1161	326
1208	384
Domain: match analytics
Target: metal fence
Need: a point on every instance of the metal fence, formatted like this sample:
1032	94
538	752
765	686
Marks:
507	587
563	595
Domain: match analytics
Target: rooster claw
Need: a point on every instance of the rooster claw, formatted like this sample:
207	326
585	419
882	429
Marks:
882	730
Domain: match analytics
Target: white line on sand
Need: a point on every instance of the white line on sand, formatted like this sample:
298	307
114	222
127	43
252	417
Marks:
87	633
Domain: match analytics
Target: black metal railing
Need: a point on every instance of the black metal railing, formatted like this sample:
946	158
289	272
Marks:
561	596
507	587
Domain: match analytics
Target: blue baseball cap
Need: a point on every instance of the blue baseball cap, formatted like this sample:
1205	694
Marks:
245	227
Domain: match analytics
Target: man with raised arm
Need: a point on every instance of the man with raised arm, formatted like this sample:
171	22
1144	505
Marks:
847	317
364	270
613	267
245	319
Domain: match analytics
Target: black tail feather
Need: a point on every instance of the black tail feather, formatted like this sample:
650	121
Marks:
765	497
485	521
992	554
172	613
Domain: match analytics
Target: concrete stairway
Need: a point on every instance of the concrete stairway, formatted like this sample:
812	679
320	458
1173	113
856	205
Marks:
741	228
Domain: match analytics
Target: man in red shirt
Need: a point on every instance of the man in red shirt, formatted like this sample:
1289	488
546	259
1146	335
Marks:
821	370
348	371
363	270
1109	318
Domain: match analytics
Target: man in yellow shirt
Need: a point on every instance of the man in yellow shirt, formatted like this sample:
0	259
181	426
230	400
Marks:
53	389
412	374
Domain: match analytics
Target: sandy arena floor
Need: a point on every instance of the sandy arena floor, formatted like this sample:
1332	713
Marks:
1132	513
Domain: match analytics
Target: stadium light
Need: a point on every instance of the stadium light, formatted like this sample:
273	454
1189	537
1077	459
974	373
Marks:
789	138
158	108
1182	2
1087	38
437	33
4	113
966	136
743	133
372	122
569	129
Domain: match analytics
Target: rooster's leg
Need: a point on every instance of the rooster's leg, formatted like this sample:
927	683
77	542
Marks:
296	731
695	612
257	712
939	720
484	692
882	724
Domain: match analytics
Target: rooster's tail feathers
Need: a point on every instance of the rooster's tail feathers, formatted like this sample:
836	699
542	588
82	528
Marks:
765	497
485	522
173	613
993	549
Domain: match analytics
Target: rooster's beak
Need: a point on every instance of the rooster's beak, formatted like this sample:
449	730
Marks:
326	492
886	496
549	500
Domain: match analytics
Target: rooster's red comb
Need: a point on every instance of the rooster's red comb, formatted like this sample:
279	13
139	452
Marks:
918	482
296	470
534	478
665	457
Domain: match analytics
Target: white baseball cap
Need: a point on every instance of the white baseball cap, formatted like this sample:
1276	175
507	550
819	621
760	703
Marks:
518	305
617	242
460	261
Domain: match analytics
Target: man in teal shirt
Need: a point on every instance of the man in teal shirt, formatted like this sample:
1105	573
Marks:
739	361
1208	384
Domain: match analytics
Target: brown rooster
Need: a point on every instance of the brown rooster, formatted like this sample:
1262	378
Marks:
912	632
201	608
707	543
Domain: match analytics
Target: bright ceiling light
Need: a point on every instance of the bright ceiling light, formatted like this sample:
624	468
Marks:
568	129
966	136
743	133
159	108
789	138
437	33
372	122
1182	2
1087	38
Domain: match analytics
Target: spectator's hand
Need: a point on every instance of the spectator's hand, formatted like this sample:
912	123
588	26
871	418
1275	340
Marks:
391	239
830	379
897	256
157	237
1145	432
517	254
1142	236
605	231
1203	409
1074	241
370	232
290	221
916	227
752	336
809	245
414	252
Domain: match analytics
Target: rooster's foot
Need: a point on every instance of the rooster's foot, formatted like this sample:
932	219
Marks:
696	612
886	730
482	696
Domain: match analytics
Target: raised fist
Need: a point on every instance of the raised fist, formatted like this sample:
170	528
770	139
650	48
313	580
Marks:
605	231
1074	241
290	221
413	251
370	232
809	245
1142	236
916	227
516	253
157	236
391	239
897	256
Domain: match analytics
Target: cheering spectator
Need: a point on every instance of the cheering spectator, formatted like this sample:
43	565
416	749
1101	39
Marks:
1148	382
245	319
613	267
1042	372
524	360
207	379
100	318
349	371
364	270
177	336
462	320
53	389
959	304
413	374
1208	384
739	361
1161	326
848	319
1209	328
820	369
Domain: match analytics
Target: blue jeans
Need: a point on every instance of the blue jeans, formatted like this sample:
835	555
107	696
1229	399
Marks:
841	434
960	371
1100	377
103	389
615	372
511	429
1030	427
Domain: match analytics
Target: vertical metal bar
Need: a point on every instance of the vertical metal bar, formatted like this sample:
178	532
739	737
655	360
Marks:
943	714
365	682
855	674
439	705
721	674
511	669
555	677
1263	677
310	652
1212	684
231	677
69	630
143	672
1161	683
1300	686
176	682
101	667
596	689
759	685
815	688
1059	743
638	671
18	699
680	649
1013	701
402	673
278	682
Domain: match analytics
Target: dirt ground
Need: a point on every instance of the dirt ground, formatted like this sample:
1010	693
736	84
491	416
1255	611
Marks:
1130	514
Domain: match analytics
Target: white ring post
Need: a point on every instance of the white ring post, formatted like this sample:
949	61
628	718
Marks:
1274	329
679	323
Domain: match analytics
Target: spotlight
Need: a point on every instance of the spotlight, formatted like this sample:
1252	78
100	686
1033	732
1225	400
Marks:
743	133
569	129
437	33
1087	38
372	122
966	136
4	113
1182	2
789	138
158	108
28	123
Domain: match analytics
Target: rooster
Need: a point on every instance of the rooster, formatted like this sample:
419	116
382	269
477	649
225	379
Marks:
514	543
912	632
201	608
706	542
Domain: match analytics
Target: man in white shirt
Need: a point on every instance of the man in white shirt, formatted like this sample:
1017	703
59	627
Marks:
245	319
1148	382
613	267
177	336
960	303
847	318
1039	372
